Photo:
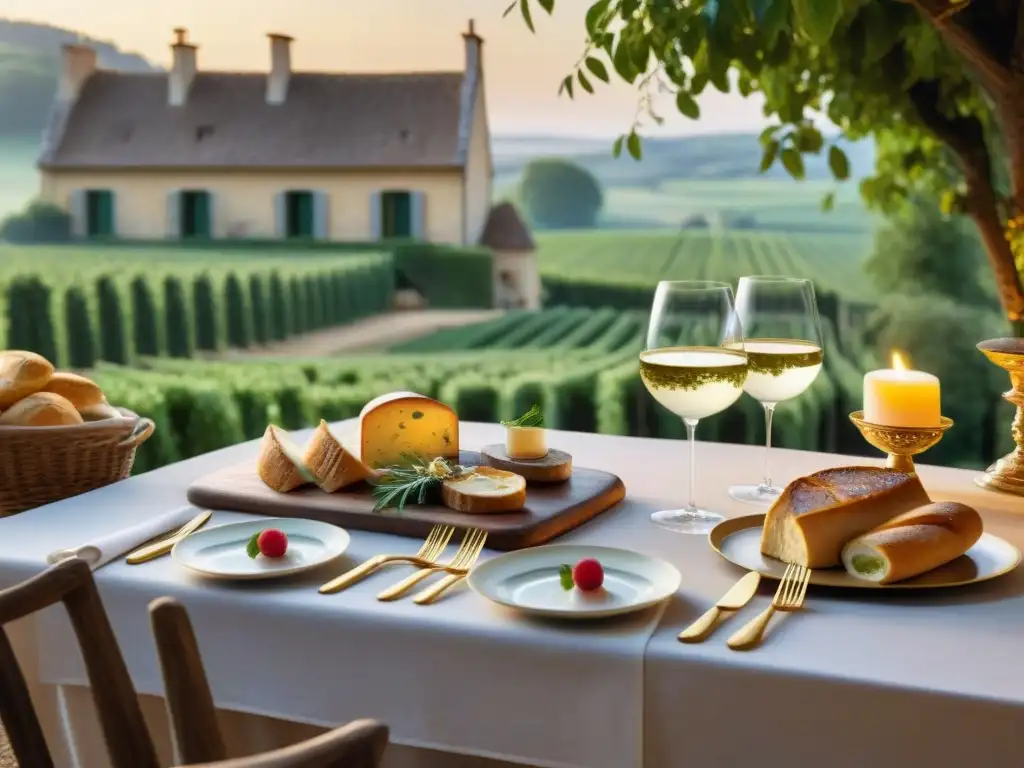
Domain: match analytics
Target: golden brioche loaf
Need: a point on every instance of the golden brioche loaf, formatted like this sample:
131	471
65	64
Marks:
78	390
816	515
21	374
42	409
913	543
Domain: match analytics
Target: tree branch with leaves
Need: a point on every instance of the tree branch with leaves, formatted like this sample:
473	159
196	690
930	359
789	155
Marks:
939	85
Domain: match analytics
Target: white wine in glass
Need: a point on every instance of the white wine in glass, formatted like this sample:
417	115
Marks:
784	349
694	365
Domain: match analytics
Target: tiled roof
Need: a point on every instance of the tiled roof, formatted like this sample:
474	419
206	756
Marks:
506	231
123	120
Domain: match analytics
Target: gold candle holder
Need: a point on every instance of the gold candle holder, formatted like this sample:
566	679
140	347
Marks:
901	443
1007	474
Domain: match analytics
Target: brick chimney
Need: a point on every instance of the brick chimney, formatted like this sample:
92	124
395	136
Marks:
280	68
183	70
77	63
473	45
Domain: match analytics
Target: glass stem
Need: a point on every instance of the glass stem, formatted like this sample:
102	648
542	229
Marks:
691	431
769	411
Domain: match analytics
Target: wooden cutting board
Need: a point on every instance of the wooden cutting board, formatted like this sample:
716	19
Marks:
551	510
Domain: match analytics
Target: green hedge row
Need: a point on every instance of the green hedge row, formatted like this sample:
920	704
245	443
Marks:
119	319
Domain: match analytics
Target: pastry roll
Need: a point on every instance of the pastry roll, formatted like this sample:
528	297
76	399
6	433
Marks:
913	543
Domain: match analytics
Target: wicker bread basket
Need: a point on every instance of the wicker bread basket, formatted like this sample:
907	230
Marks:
39	465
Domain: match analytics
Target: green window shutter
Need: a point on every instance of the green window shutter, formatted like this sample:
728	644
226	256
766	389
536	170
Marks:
305	207
403	214
201	201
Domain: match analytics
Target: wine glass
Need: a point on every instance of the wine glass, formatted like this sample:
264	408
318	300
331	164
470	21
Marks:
784	349
694	365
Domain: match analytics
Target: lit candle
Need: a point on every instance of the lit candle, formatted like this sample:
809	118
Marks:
898	397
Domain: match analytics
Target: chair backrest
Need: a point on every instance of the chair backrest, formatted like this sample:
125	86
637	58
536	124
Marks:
70	582
197	736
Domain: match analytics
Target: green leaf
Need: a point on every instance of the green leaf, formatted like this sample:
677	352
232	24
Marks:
547	5
809	139
881	33
633	146
828	202
768	134
623	63
524	7
511	7
597	68
793	162
617	147
565	574
771	151
640	52
584	82
818	18
532	418
687	106
597	17
566	86
253	547
838	163
772	17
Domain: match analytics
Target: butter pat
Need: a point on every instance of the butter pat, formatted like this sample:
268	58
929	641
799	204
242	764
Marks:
400	423
525	442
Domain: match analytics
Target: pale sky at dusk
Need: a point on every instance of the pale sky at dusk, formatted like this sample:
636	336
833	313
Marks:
522	70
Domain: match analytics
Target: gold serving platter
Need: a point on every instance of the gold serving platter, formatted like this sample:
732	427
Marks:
738	540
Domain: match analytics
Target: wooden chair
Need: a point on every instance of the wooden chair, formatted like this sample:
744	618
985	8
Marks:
360	744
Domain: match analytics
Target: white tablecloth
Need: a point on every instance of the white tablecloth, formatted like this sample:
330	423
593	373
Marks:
852	680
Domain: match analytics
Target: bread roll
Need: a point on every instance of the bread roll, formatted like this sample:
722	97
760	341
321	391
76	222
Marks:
816	515
913	543
100	411
80	391
43	409
21	374
280	464
331	463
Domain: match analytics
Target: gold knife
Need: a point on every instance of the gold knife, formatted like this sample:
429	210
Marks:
163	546
737	597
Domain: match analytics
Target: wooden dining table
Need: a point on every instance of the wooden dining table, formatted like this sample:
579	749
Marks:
855	678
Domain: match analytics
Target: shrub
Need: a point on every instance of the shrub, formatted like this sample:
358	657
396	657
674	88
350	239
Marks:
313	304
260	314
29	322
204	307
81	341
297	304
113	347
39	223
447	276
176	322
235	311
279	325
144	318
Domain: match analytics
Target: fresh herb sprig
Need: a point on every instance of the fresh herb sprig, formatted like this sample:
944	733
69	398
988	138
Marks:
532	418
565	575
413	480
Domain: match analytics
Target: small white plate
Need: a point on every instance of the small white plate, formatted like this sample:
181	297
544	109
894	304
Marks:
220	552
528	580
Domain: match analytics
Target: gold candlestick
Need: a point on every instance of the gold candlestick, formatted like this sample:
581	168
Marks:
1007	474
901	443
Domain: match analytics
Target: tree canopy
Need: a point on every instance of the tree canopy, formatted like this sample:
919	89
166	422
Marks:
559	194
939	84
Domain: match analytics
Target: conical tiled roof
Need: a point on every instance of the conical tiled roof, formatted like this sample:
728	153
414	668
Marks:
506	231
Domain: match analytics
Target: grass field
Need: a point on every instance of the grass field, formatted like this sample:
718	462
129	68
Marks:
833	261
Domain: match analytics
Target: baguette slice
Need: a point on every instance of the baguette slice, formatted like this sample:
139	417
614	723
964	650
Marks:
331	463
280	463
22	374
485	490
43	409
816	515
913	543
100	411
80	391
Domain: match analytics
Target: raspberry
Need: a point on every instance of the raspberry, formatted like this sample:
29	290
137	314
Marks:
588	574
272	543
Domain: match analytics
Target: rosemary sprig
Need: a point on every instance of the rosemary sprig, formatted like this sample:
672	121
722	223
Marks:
532	418
416	479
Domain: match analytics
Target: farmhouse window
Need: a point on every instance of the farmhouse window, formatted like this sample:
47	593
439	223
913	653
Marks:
196	219
99	213
299	216
396	214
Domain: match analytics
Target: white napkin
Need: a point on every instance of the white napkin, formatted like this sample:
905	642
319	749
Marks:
101	551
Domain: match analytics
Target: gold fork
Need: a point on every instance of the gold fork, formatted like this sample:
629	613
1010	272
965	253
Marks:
432	548
456	571
788	597
455	565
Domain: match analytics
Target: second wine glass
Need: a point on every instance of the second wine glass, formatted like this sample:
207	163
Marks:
782	339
